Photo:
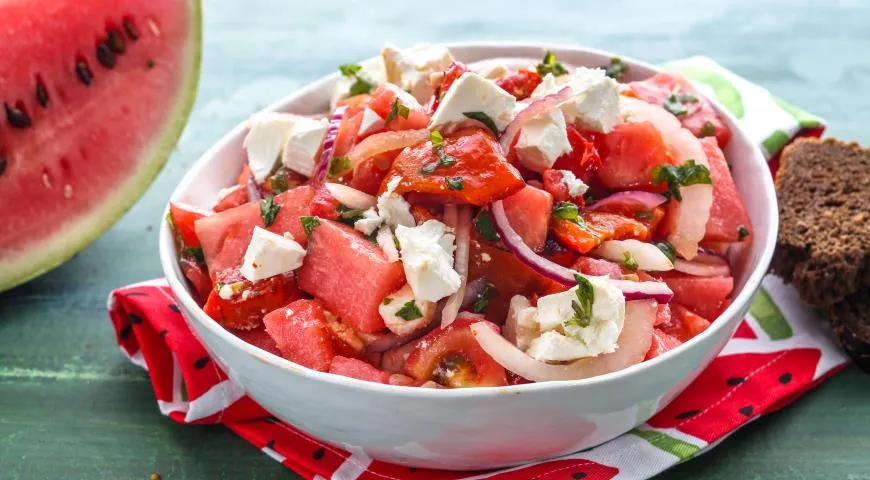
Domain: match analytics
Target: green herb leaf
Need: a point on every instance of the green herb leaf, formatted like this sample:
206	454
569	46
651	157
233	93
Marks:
566	211
484	119
668	250
485	226
436	139
269	210
550	65
397	110
677	102
361	85
686	174
481	302
409	311
583	305
348	216
387	301
616	70
708	129
338	166
444	160
308	224
218	286
742	232
455	183
349	69
629	262
279	182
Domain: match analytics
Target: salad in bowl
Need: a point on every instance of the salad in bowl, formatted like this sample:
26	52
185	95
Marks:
449	224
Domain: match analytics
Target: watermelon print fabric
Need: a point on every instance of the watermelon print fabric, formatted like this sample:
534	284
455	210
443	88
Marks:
780	351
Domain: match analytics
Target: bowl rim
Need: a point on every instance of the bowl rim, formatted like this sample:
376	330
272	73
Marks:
195	313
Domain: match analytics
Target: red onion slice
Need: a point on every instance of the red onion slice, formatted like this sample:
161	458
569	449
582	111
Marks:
385	142
254	192
534	109
634	341
632	199
704	265
460	261
329	143
648	256
658	291
472	290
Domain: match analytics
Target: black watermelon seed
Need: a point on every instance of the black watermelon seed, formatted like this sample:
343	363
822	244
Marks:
319	453
689	414
134	319
174	308
785	378
201	362
115	41
271	444
746	411
733	381
17	117
163	333
130	29
136	294
41	93
84	73
106	56
125	332
149	64
3	164
578	475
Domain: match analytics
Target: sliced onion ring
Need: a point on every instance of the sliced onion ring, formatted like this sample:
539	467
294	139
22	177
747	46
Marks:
460	262
329	143
704	265
632	198
534	109
634	341
385	142
658	291
351	197
254	193
648	256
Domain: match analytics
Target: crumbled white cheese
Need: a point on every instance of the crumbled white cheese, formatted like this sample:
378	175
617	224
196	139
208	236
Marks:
300	151
398	300
270	254
595	100
394	209
268	132
410	68
473	93
493	72
371	121
226	291
369	222
428	264
543	140
576	187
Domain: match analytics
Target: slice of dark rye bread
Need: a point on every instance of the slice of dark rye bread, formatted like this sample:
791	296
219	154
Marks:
850	320
823	248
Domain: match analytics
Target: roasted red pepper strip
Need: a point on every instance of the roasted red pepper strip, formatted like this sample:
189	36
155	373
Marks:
598	228
520	84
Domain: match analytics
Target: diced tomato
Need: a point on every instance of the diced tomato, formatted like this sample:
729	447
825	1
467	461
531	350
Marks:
182	221
520	84
370	173
353	368
452	357
251	301
651	218
583	159
238	197
635	149
453	72
480	174
727	214
599	226
528	211
706	296
661	343
347	132
324	205
355	104
382	103
301	334
346	340
702	119
554	185
197	274
597	267
225	236
350	274
259	338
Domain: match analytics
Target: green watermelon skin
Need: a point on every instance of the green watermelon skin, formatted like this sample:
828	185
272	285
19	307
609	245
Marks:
92	125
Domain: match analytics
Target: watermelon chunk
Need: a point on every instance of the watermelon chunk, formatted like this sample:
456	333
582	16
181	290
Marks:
353	368
705	296
91	116
595	266
259	338
727	214
634	150
350	274
225	235
529	213
661	343
301	334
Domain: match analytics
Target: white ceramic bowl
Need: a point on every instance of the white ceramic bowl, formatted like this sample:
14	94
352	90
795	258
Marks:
482	427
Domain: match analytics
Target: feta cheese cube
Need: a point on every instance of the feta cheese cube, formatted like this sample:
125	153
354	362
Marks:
372	70
267	134
428	264
371	122
226	291
595	102
521	326
300	150
369	222
554	347
576	187
410	68
493	71
270	254
394	209
473	93
543	140
404	299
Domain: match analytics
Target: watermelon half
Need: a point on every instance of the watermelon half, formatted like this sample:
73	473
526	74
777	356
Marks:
94	97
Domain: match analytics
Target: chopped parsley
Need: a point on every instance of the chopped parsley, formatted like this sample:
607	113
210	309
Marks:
308	224
484	119
567	211
583	305
339	166
616	70
361	85
269	210
387	301
629	262
708	129
455	183
481	302
347	215
409	311
485	226
677	102
397	110
686	174
668	250
742	232
444	160
550	65
279	182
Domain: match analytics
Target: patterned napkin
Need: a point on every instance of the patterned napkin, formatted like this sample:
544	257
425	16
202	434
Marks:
780	351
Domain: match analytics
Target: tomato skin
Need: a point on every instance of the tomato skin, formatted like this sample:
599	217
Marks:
520	84
382	103
183	221
453	72
486	175
324	205
599	227
243	312
583	160
456	341
197	274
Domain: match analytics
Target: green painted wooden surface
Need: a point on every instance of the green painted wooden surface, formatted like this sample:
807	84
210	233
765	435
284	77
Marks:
72	407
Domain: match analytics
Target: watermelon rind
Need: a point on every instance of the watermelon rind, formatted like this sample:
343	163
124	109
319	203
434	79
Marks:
63	244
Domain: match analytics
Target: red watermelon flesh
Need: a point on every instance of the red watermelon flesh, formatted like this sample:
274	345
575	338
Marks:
661	343
96	94
301	334
705	296
225	235
259	338
353	368
529	213
634	150
350	274
727	214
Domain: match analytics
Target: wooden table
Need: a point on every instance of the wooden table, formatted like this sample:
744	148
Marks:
72	407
